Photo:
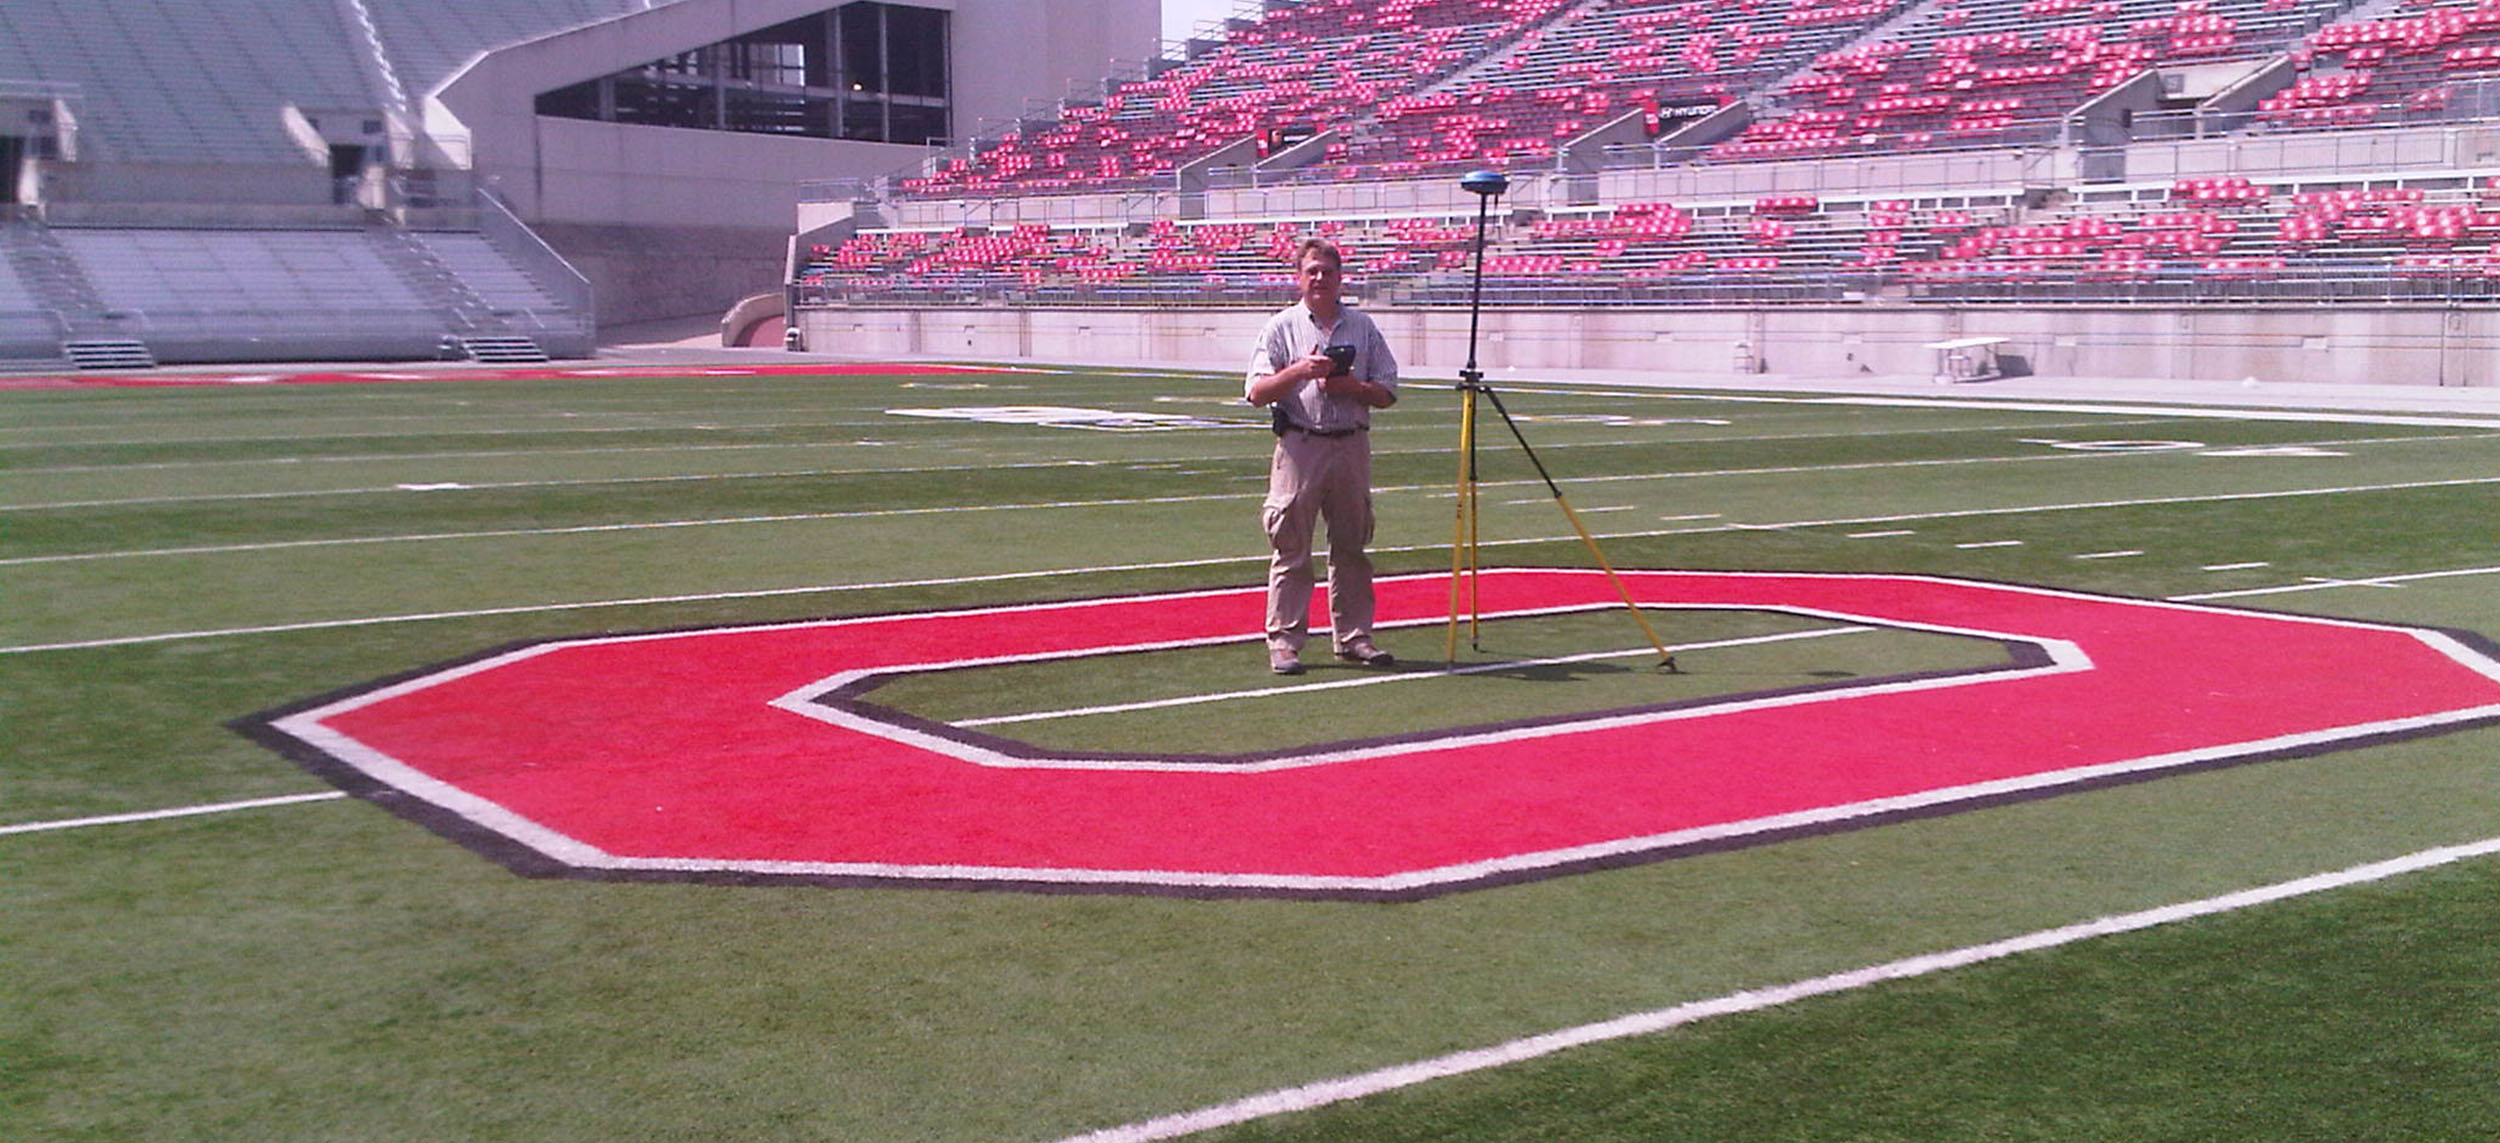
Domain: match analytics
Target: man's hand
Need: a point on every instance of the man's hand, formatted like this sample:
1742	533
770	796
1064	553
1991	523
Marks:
1348	385
1300	371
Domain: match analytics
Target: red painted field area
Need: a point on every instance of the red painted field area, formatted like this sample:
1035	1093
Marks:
735	753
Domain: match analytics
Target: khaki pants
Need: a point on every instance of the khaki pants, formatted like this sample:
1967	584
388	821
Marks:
1311	478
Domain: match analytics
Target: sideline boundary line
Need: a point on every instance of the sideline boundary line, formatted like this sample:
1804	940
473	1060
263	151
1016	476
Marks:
1322	1093
176	812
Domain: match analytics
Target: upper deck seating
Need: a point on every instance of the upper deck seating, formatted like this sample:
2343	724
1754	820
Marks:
1998	72
185	81
1665	59
2407	67
1301	70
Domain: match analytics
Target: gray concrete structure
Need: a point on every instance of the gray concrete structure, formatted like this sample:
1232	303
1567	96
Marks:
196	115
713	208
2375	346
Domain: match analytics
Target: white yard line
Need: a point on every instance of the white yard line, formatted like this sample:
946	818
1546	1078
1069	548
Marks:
178	812
476	454
1340	1089
2219	412
997	577
2140	502
506	485
1433	490
483	486
2320	584
499	418
1401	677
678	478
386	458
395	488
642	601
2075	405
577	529
49	434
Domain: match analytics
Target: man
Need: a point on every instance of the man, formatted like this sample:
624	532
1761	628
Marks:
1322	468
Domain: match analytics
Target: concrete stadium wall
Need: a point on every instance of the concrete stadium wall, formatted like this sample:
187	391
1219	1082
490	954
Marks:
1011	52
2427	345
165	184
637	175
1867	175
1006	54
621	201
2327	157
644	273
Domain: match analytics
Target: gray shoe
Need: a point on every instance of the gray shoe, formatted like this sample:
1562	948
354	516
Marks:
1283	661
1366	652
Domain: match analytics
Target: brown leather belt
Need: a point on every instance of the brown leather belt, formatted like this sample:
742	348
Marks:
1277	421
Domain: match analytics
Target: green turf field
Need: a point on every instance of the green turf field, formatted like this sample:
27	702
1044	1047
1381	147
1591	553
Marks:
173	559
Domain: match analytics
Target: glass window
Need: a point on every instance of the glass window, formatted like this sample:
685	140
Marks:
866	71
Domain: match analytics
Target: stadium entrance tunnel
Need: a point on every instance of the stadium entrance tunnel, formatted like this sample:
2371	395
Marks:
752	754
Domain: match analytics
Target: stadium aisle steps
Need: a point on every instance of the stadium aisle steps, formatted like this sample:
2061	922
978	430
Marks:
505	350
109	353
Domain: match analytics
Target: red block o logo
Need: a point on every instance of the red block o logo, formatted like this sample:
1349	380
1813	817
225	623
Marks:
745	754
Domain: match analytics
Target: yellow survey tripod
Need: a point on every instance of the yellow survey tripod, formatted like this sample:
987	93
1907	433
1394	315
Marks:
1465	568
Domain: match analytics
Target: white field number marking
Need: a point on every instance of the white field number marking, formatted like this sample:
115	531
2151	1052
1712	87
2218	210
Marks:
2196	447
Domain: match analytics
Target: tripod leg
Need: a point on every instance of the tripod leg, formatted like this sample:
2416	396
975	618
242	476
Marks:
1666	659
1462	539
1475	556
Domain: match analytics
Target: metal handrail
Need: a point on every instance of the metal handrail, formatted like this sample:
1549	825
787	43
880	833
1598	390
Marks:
509	234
